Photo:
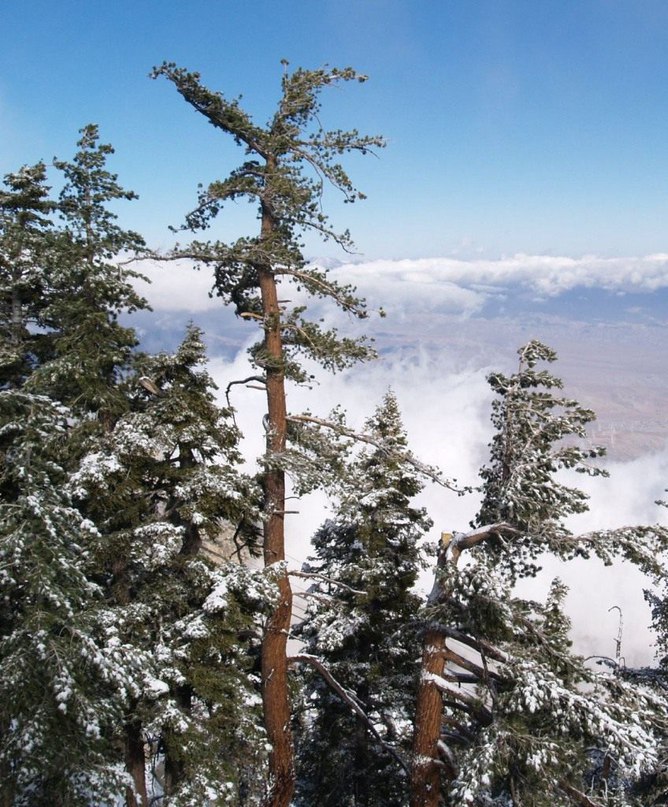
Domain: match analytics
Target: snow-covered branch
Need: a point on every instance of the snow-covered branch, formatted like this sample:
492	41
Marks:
324	578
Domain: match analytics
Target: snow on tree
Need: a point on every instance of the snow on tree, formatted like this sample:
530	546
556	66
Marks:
162	481
360	627
288	163
25	252
507	713
64	672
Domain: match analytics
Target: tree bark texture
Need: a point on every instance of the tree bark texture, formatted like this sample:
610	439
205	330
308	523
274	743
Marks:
135	762
425	772
427	767
275	693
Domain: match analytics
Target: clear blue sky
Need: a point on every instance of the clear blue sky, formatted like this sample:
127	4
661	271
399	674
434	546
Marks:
512	125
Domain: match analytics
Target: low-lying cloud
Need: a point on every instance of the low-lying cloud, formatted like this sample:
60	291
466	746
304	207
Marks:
446	412
436	366
546	274
449	284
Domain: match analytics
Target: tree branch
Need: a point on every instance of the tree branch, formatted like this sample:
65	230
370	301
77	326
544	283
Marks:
344	431
317	576
579	798
345	696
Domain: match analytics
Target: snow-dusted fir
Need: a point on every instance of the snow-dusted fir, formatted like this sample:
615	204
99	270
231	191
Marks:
524	718
161	483
360	625
64	671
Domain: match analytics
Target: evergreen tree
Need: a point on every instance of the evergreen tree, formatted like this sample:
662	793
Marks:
25	252
65	675
63	672
360	626
89	287
158	487
288	163
524	728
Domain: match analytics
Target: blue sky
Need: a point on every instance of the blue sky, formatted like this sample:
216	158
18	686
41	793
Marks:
536	126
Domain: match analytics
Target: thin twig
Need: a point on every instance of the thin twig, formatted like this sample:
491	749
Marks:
326	579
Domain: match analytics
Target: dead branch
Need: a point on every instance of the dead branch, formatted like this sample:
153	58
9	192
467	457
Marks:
317	576
350	700
481	672
258	378
344	431
466	540
579	798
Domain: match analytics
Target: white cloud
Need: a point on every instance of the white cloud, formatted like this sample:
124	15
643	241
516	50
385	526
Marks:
448	284
445	403
176	286
545	274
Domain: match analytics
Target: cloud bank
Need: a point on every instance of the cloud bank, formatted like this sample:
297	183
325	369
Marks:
450	284
546	274
438	343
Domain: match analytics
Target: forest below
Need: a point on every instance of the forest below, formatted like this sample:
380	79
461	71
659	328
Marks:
150	653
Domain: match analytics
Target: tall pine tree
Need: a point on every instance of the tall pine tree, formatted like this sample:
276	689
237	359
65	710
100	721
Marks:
288	163
65	676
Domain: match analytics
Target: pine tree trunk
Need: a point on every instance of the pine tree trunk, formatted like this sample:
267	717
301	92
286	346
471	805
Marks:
426	769
275	694
174	768
135	763
425	772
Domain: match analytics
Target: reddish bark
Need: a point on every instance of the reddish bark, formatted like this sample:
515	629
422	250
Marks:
426	769
135	763
275	693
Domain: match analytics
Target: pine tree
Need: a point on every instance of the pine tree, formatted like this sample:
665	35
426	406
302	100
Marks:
360	627
522	714
61	686
65	676
90	285
158	486
63	294
26	230
288	163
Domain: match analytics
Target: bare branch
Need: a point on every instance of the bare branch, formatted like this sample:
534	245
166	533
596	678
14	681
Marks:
579	798
345	696
344	431
258	378
317	576
465	540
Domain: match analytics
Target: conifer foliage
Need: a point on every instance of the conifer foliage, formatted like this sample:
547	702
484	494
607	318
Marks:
135	670
25	254
116	469
359	625
157	494
507	713
64	675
